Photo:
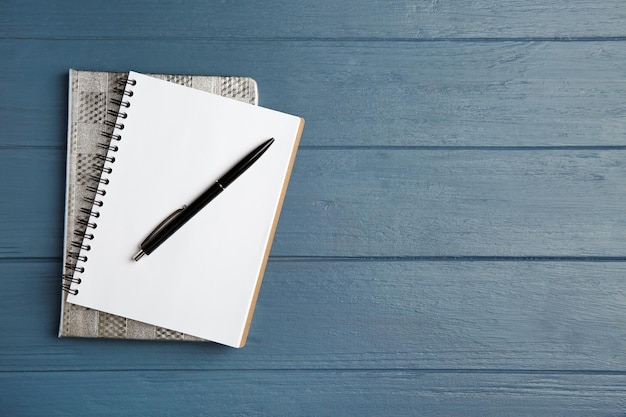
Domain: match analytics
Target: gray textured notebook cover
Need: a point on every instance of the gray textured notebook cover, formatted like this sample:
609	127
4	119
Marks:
90	105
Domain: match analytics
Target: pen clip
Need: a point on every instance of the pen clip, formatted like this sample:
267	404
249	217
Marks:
163	223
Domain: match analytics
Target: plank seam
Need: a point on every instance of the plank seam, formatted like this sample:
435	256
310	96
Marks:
403	258
393	148
304	259
589	372
320	39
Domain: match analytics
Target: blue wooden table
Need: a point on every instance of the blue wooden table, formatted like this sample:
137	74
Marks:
453	240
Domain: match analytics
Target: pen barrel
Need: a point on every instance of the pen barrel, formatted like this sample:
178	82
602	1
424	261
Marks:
245	163
169	228
183	217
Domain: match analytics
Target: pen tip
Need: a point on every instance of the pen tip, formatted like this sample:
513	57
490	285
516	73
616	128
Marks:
139	255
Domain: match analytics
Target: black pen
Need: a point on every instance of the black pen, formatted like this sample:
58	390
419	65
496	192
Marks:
181	216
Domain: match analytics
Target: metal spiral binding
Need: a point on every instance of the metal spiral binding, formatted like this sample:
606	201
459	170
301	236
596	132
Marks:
97	182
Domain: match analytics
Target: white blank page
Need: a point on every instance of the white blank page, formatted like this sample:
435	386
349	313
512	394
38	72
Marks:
175	143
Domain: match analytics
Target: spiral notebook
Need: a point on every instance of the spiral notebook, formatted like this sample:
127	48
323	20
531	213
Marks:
168	144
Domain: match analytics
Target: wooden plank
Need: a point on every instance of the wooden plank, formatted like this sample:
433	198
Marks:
356	94
387	203
32	190
307	392
413	202
389	315
324	19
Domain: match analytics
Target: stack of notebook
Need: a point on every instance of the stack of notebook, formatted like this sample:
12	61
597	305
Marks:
142	152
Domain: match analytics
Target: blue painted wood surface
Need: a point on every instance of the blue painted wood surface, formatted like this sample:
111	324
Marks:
452	240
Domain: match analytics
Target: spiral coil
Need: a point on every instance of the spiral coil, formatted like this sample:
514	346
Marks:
76	254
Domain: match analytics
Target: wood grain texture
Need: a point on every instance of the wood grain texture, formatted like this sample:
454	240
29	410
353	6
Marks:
388	315
408	202
389	203
452	241
363	20
312	393
356	94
